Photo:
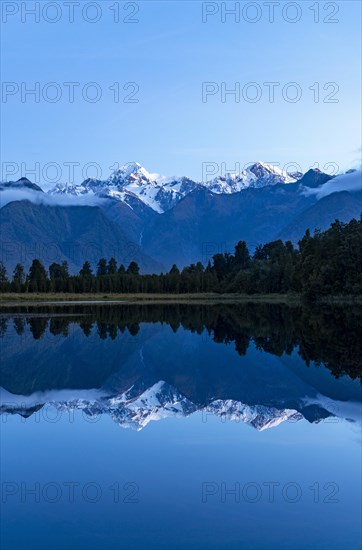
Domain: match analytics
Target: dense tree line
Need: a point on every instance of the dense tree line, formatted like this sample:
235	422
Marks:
325	263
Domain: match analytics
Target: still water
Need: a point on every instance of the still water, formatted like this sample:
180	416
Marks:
180	426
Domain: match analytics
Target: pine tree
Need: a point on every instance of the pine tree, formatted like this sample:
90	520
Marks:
18	278
174	270
242	256
133	269
37	277
4	283
112	267
102	267
86	270
59	276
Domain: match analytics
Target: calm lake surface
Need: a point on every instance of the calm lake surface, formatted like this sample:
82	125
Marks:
180	426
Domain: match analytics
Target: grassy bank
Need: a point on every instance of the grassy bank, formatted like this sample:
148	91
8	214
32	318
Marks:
9	299
12	298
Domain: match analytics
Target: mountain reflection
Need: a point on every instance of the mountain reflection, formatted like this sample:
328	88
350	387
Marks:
259	363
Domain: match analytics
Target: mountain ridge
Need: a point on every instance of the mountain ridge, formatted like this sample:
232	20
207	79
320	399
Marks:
162	193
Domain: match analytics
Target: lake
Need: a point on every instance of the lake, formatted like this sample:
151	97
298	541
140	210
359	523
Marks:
183	426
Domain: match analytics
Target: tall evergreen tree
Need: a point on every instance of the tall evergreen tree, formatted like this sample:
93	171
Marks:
242	256
59	277
112	267
4	283
102	267
37	277
86	270
133	269
18	278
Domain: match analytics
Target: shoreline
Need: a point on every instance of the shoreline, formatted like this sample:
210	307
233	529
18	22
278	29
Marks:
13	299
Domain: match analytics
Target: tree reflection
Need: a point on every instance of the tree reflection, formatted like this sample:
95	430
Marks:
325	335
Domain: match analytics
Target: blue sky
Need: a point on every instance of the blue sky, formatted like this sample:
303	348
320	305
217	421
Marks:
169	53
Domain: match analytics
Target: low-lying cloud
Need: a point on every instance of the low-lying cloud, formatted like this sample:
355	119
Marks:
345	182
36	197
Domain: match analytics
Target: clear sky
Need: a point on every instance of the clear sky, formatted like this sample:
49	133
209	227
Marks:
169	53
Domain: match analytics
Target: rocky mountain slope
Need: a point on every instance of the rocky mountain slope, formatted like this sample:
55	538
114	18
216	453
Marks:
57	233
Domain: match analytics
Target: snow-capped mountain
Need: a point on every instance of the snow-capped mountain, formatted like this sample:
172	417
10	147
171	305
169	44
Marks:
89	186
256	176
132	181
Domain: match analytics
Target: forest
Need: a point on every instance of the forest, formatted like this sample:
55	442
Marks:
322	264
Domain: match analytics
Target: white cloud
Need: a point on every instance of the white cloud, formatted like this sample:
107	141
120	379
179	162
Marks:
11	195
344	182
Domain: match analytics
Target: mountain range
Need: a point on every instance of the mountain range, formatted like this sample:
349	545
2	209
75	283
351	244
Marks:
158	221
132	181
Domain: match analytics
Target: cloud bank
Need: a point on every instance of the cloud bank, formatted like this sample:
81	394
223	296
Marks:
36	197
351	182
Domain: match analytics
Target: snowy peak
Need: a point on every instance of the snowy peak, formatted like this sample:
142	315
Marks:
130	168
133	181
132	174
69	189
268	172
256	176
